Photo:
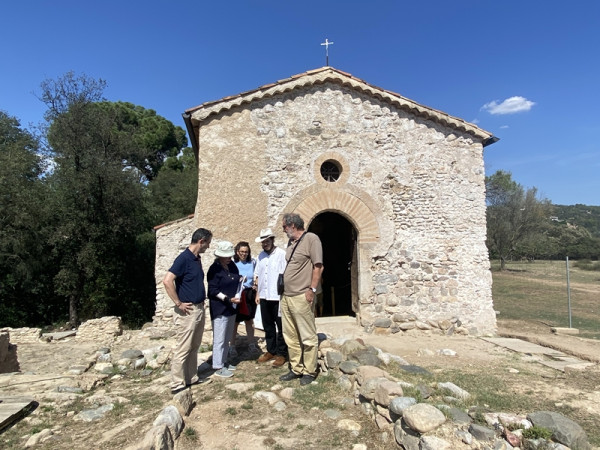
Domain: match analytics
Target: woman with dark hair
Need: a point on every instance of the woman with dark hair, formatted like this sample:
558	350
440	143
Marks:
247	310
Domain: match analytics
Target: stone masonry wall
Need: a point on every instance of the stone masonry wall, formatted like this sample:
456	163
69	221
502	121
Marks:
23	335
171	240
423	183
9	361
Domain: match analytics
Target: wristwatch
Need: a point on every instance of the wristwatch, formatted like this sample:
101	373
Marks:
313	289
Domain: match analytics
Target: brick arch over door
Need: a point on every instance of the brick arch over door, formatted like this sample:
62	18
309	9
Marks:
362	213
346	204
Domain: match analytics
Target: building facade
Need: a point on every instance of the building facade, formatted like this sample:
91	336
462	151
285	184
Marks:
394	189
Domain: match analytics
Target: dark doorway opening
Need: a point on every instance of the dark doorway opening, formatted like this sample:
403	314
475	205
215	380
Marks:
338	237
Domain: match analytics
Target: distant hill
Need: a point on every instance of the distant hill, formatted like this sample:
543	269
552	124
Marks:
584	216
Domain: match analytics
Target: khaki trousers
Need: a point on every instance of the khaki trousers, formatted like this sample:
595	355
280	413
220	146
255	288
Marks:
300	334
184	362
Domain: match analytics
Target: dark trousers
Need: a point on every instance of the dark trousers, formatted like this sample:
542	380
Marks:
271	321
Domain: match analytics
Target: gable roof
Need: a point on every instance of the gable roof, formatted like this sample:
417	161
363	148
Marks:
194	116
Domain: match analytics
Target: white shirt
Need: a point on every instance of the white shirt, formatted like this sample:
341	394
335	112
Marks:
268	268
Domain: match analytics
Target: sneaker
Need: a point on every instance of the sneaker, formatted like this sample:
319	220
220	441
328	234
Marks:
266	357
224	373
279	361
307	379
231	367
178	390
289	376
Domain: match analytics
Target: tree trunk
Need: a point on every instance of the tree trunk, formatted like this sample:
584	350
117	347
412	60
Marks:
502	263
73	311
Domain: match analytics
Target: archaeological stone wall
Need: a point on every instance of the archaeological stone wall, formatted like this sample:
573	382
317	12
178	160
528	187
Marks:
413	189
23	335
8	354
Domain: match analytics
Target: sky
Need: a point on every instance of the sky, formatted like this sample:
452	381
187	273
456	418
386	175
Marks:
526	71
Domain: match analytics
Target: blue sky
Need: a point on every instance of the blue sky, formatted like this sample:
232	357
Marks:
529	72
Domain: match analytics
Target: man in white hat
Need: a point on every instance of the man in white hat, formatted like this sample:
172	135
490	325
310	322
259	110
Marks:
271	262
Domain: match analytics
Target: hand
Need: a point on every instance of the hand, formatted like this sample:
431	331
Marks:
310	296
236	300
185	307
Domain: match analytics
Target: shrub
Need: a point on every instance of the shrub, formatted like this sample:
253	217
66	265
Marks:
536	432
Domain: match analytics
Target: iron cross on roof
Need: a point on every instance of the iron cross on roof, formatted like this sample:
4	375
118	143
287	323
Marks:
326	44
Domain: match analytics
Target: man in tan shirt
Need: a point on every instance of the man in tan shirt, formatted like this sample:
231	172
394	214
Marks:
301	278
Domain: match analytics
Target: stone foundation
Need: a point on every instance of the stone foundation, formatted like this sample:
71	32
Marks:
102	330
23	335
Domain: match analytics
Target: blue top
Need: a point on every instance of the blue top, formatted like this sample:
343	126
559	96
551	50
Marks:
246	269
221	280
189	277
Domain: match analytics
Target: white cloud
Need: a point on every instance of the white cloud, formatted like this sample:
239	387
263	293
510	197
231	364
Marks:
475	121
511	105
503	127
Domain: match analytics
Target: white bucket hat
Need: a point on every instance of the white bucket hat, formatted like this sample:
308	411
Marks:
224	249
265	233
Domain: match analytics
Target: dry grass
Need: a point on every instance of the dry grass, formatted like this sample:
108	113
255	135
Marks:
537	292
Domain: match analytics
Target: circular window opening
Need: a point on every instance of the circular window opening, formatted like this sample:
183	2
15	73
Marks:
331	170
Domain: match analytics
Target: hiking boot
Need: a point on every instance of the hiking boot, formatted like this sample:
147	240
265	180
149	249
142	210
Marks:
289	376
279	361
307	379
266	357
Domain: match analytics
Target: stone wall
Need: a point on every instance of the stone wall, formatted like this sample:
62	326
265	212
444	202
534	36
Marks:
8	354
23	335
171	240
413	189
103	330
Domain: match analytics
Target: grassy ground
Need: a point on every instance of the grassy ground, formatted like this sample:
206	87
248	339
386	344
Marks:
537	291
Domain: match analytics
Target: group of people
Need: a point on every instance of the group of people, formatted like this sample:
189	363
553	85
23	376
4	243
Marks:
235	288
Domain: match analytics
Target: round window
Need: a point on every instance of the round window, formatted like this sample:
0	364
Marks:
331	170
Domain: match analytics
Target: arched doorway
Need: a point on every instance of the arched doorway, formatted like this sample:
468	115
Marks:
340	277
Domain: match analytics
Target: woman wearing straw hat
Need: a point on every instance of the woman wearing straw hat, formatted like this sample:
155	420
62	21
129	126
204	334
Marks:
223	281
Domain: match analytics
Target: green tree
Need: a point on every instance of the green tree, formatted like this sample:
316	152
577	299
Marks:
103	152
22	213
513	214
145	138
172	194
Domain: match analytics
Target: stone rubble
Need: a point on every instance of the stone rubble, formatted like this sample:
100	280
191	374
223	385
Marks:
413	425
420	426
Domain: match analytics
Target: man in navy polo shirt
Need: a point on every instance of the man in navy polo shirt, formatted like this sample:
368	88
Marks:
184	283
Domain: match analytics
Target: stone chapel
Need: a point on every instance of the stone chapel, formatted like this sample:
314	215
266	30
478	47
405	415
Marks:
394	189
